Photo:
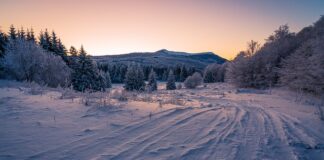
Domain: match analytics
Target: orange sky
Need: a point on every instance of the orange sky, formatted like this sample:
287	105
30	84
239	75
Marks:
122	26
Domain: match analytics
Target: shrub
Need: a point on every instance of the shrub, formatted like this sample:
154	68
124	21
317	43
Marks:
24	60
193	81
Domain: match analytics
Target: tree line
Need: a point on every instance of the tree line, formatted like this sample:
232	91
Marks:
295	60
288	59
46	60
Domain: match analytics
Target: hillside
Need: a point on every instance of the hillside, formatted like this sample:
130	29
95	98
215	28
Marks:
164	58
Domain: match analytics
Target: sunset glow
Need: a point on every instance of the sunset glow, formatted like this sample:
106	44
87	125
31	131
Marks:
122	26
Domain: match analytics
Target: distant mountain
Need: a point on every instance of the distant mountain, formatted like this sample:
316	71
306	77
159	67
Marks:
164	58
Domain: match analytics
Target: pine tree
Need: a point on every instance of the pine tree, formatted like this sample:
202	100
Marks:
3	42
73	52
12	33
208	75
86	74
165	75
171	81
134	79
22	34
152	83
107	79
47	45
54	43
183	73
41	38
32	35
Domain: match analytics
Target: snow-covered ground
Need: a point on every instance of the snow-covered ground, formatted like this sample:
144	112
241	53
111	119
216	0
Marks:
213	122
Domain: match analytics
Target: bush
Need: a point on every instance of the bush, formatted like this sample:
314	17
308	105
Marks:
24	60
193	81
179	86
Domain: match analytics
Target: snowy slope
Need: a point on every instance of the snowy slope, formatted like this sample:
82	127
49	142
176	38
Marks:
206	123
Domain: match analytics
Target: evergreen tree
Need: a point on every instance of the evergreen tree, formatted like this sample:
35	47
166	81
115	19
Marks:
12	33
183	73
208	75
107	79
3	45
134	79
86	74
47	45
3	42
152	83
73	52
42	41
54	44
21	33
171	81
61	50
32	35
165	75
28	35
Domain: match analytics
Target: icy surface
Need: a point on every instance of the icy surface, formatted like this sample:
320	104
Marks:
216	122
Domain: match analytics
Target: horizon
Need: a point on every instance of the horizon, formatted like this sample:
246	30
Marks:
115	27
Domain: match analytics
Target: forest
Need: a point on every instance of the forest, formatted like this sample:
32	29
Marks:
294	60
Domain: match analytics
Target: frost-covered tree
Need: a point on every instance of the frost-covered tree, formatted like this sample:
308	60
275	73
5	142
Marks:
107	79
193	81
3	42
171	81
134	79
25	60
214	73
152	83
183	73
165	75
304	69
86	75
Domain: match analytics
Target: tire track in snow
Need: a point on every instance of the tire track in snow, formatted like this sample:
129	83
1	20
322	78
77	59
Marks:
143	141
214	137
92	140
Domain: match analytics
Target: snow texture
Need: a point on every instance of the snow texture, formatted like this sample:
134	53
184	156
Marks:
213	122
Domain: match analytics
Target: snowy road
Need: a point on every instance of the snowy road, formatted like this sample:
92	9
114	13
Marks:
225	129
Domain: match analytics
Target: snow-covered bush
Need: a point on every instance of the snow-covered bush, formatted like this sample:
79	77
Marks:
120	95
25	60
179	86
193	81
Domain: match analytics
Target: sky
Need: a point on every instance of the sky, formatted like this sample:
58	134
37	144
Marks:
122	26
